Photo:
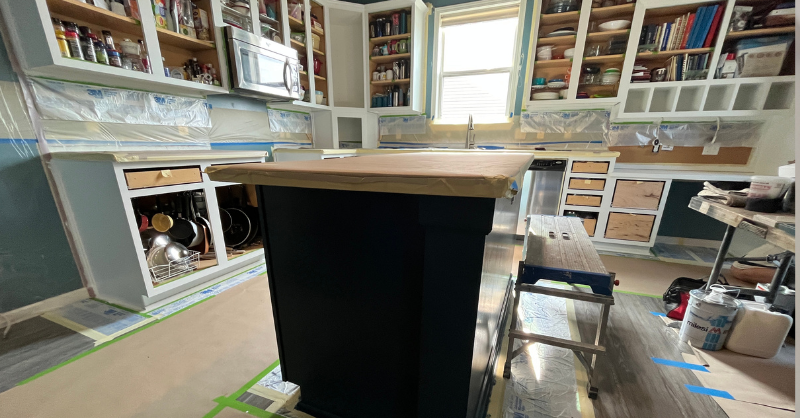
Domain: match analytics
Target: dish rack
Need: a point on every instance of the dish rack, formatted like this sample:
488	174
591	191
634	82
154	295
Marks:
175	268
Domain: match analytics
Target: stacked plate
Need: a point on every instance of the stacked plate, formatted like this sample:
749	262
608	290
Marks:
565	31
556	83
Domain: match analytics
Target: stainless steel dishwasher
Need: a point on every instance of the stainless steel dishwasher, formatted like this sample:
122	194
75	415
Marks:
541	190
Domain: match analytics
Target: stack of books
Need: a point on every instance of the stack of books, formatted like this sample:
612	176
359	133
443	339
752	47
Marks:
687	67
693	30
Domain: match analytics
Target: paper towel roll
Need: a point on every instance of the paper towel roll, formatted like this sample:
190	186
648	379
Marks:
758	332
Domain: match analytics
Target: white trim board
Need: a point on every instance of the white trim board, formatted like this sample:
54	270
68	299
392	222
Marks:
33	310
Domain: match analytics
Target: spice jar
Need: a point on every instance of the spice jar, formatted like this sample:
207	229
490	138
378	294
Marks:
58	27
114	58
87	46
591	74
73	40
108	40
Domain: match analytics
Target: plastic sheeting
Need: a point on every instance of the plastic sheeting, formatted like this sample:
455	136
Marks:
491	136
57	100
15	126
543	381
245	126
689	134
586	122
289	122
398	125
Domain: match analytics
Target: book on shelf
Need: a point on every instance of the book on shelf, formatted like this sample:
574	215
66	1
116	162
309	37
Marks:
687	67
689	31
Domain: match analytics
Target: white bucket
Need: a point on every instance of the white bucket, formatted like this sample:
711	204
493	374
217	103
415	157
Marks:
708	319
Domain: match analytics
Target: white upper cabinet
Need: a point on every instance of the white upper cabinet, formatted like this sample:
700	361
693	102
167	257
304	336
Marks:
606	53
39	50
394	48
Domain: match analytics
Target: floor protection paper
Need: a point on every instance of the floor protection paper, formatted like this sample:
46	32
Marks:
543	382
97	320
208	292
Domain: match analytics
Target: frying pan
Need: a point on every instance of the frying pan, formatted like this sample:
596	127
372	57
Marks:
239	231
203	231
225	220
182	231
252	214
199	235
141	221
161	221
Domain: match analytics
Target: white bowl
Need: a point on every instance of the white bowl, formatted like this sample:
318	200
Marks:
614	25
569	53
545	95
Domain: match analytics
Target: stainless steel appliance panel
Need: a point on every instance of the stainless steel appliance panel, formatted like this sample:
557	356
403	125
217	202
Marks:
541	190
262	68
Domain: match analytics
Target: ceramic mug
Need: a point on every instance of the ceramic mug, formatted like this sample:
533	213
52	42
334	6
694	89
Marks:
402	47
389	75
376	76
383	75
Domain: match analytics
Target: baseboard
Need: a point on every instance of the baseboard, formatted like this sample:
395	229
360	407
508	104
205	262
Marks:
622	248
38	308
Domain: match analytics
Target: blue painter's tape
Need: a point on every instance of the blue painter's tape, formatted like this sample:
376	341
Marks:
658	313
17	141
681	364
710	392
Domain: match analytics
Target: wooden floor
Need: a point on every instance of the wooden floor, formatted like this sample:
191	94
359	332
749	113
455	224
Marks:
35	345
630	383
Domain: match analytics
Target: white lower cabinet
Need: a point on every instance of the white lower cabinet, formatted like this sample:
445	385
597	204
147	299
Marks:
110	197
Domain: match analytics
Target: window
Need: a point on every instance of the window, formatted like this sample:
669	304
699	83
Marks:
476	63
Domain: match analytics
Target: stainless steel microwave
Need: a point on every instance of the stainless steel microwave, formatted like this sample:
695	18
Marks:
262	68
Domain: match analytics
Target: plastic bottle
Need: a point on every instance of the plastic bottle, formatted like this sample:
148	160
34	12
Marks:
145	57
58	27
100	52
73	40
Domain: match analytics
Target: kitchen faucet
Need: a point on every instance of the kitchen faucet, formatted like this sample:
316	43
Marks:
470	143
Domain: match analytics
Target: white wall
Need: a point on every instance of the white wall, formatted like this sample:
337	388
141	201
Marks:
777	145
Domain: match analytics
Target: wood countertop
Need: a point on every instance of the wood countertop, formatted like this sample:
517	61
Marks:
469	174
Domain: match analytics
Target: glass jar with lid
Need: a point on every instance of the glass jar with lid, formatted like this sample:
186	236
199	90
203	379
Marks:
591	74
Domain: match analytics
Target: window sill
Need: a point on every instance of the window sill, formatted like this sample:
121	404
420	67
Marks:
496	122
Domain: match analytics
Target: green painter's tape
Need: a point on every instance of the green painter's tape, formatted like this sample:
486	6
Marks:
241	406
254	380
232	402
637	294
121	307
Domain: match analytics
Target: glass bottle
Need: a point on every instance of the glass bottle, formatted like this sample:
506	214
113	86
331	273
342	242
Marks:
145	58
58	27
100	52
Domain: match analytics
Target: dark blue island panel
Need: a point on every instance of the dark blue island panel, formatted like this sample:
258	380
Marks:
388	304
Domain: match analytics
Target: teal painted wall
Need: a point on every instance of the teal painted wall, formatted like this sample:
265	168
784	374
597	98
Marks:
36	262
680	221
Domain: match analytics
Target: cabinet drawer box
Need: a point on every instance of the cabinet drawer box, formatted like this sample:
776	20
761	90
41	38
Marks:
589	225
583	200
587	184
629	226
165	177
596	167
634	194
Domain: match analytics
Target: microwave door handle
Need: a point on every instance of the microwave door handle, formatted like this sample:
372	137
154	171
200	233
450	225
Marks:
286	82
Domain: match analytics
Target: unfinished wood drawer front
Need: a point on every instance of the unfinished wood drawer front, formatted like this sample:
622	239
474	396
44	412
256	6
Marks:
165	177
634	194
597	167
583	200
629	226
587	184
590	225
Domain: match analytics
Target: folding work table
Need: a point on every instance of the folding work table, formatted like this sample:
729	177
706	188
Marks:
558	248
775	228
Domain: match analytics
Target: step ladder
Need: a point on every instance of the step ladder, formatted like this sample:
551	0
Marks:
557	248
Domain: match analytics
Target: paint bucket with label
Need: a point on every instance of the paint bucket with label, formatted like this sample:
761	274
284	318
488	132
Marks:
708	318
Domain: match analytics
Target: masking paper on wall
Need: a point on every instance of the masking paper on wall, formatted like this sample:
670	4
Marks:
246	126
289	122
586	122
57	100
399	125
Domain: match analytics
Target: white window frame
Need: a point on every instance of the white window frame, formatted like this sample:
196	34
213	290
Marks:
438	74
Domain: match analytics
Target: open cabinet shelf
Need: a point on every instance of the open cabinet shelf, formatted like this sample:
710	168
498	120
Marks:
91	13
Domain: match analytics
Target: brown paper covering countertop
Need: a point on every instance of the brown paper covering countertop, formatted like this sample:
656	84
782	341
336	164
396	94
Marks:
479	174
